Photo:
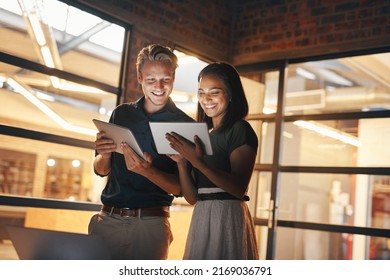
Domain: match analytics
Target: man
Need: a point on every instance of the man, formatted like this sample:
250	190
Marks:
133	221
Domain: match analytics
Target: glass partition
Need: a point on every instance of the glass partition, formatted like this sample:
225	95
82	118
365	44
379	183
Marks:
350	84
339	199
349	143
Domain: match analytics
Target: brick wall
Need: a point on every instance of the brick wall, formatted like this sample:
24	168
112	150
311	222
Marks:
200	26
274	29
250	31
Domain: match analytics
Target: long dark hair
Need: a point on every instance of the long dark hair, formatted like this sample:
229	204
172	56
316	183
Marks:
238	105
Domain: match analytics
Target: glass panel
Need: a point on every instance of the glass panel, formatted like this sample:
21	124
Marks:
46	170
256	125
260	193
351	143
271	92
62	37
267	142
50	104
341	199
299	244
255	93
380	201
262	92
349	84
261	238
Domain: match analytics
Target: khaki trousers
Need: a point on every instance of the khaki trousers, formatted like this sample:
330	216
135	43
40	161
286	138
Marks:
133	238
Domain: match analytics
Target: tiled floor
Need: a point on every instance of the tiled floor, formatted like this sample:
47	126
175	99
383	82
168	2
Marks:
7	251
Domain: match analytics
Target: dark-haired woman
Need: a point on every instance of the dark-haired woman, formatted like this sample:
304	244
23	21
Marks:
221	226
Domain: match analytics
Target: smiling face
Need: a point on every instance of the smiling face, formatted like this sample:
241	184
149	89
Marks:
213	98
156	80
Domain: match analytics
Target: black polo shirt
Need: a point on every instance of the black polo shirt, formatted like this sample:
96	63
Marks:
126	189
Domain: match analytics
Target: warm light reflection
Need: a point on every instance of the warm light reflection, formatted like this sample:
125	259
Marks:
46	110
329	132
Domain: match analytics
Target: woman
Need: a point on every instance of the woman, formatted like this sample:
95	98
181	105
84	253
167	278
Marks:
221	225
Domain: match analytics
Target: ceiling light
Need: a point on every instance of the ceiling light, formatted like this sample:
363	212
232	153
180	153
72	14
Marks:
69	86
37	29
330	88
46	110
55	81
306	74
329	132
47	57
51	162
102	110
334	78
76	163
45	96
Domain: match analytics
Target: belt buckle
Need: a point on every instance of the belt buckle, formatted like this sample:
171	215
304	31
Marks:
127	212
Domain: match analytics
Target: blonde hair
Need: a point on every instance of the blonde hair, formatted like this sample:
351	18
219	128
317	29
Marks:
155	52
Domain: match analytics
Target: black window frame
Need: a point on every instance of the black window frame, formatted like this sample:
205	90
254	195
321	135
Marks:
53	138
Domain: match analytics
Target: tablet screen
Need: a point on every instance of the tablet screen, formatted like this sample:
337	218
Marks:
119	134
186	129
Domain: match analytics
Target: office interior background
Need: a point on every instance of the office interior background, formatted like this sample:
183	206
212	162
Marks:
316	75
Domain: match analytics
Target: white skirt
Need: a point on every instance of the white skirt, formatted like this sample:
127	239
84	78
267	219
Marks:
221	230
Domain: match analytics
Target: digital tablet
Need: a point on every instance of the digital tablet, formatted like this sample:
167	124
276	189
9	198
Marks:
119	134
186	129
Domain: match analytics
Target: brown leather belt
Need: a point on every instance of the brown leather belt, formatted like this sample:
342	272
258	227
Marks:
161	211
